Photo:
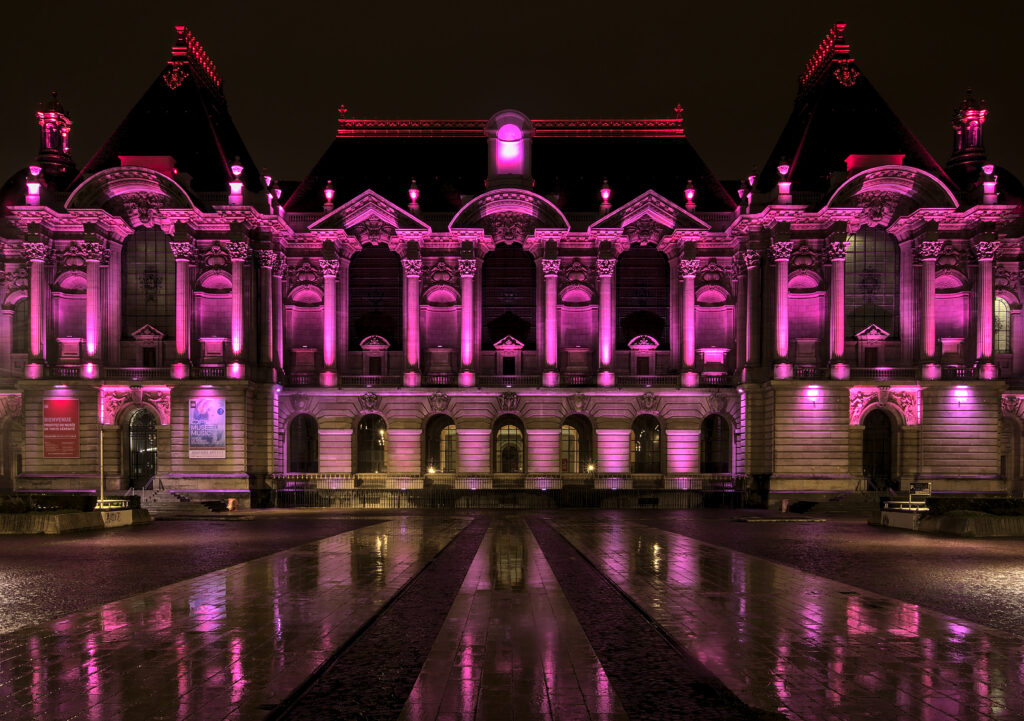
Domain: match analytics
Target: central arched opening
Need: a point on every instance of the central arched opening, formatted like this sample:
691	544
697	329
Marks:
645	445
303	444
371	445
509	445
715	445
575	445
878	451
440	447
140	448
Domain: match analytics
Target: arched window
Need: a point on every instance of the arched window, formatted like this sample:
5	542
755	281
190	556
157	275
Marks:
303	444
641	295
509	446
371	445
1001	327
645	445
147	283
375	296
440	445
715	445
575	445
19	327
872	282
509	299
140	447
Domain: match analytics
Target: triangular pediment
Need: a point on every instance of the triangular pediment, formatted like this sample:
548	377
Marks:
372	208
147	332
656	208
873	332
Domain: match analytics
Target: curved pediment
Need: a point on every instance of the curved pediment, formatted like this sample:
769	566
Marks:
891	191
509	215
133	193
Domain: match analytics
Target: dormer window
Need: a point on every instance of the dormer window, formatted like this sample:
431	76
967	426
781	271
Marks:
642	355
375	355
509	356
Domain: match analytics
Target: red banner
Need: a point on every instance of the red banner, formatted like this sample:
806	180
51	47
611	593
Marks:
60	428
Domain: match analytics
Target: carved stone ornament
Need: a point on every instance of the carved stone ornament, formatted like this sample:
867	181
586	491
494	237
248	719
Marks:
467	267
929	249
140	208
605	266
91	251
329	267
835	247
905	400
299	403
412	267
738	269
716	402
373	230
185	250
237	249
10	405
507	227
781	250
111	402
508	402
751	258
880	205
689	268
266	258
647	402
215	258
440	274
16	279
369	402
305	274
550	266
438	402
71	258
160	399
645	231
804	258
579	402
1013	406
1005	278
987	249
35	251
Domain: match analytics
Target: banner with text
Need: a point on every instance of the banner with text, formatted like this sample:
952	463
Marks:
206	428
60	428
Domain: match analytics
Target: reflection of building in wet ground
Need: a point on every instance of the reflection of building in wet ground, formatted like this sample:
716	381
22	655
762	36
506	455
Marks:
514	641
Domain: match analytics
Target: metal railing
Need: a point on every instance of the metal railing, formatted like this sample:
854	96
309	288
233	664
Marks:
208	372
883	374
951	373
439	379
578	379
514	381
66	371
649	381
303	378
807	372
372	381
136	373
510	481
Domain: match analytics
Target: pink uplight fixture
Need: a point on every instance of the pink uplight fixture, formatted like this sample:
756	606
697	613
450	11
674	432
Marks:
606	192
235	370
783	169
510	149
414	192
35	170
89	370
329	192
988	168
751	179
690	192
236	169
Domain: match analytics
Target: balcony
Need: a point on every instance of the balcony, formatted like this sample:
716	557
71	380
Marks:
883	374
959	373
510	381
440	379
649	381
303	378
578	379
372	381
136	374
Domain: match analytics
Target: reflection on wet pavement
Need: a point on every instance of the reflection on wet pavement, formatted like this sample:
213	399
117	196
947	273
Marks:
232	643
511	646
808	647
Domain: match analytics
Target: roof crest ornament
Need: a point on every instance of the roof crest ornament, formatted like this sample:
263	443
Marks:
833	49
187	48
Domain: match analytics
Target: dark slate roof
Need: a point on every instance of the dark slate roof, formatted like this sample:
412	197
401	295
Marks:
570	160
839	113
183	115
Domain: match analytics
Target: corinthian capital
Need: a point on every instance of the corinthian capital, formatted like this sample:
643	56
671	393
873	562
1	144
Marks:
689	268
183	250
986	249
605	266
267	258
35	251
329	267
781	250
412	267
929	249
835	248
92	251
467	267
751	258
550	266
237	249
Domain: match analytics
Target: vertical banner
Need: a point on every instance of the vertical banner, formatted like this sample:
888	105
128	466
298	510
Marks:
206	428
60	428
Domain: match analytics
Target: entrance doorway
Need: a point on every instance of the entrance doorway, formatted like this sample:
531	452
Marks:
140	448
878	451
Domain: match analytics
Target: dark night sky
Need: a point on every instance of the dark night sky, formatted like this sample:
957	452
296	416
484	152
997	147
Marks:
287	67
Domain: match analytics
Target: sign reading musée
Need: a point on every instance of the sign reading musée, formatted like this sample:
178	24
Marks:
206	428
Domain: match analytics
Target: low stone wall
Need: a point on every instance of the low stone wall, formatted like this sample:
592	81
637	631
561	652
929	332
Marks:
57	523
974	526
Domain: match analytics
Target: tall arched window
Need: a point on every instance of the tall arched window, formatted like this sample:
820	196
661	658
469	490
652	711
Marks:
440	445
645	445
147	283
19	327
872	282
509	446
375	296
641	295
303	444
575	445
1001	327
715	445
371	445
509	299
140	447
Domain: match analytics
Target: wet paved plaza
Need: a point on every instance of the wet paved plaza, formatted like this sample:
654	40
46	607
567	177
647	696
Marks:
511	643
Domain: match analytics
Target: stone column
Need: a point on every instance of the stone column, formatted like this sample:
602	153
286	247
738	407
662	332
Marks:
184	252
112	307
279	268
329	376
752	260
606	323
987	248
266	259
36	252
550	266
739	277
239	252
412	267
928	252
467	339
688	274
835	249
342	313
93	252
781	251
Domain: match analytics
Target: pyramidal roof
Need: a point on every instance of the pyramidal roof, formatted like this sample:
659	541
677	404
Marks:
183	115
838	113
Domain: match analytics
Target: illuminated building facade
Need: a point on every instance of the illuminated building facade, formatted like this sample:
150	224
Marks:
513	303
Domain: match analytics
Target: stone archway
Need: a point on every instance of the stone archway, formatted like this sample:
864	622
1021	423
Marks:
878	451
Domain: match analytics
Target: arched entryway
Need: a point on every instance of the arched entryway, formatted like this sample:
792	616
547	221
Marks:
140	447
372	445
440	445
715	445
509	447
575	445
645	445
878	451
303	444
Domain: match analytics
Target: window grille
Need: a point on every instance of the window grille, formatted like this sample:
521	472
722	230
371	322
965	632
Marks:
1001	327
872	282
